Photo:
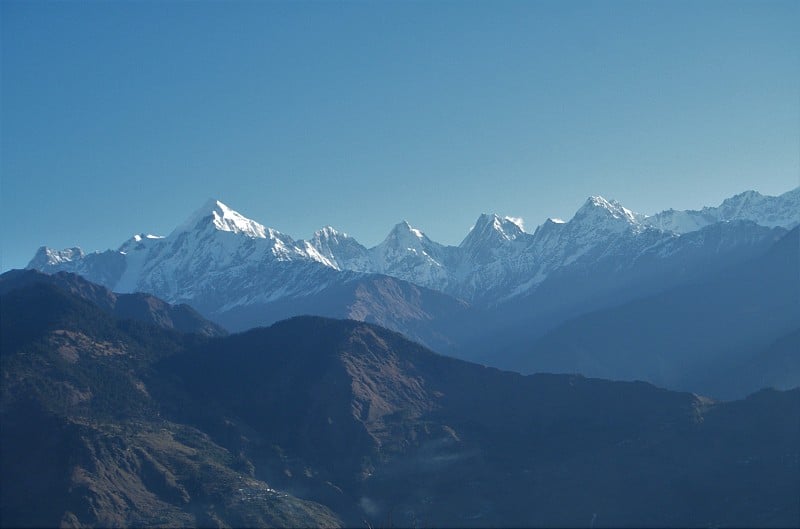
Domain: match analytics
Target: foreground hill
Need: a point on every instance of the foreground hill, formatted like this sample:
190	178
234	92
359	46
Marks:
84	443
116	422
403	432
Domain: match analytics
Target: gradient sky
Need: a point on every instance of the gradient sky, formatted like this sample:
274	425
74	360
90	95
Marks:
124	117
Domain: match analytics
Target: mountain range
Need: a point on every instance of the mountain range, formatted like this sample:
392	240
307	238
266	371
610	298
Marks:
490	299
117	419
495	262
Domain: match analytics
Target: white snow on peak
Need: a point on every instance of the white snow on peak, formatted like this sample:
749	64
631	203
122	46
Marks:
138	242
518	221
402	231
337	250
409	254
317	255
556	220
139	237
597	212
50	256
224	218
406	227
328	232
217	248
492	227
612	206
771	211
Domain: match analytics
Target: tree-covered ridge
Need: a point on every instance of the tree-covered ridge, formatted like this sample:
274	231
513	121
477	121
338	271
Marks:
84	440
318	422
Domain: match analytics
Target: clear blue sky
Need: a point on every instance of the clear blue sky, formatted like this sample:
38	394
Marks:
124	117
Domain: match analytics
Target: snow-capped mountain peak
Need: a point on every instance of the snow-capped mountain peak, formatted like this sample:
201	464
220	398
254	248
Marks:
744	196
337	250
222	259
613	208
600	212
403	231
138	241
51	257
404	237
409	254
492	229
781	210
507	227
328	232
223	218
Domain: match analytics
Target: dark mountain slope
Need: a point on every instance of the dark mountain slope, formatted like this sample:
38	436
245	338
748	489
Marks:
610	279
109	422
424	315
375	426
774	366
692	337
139	306
83	441
58	471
